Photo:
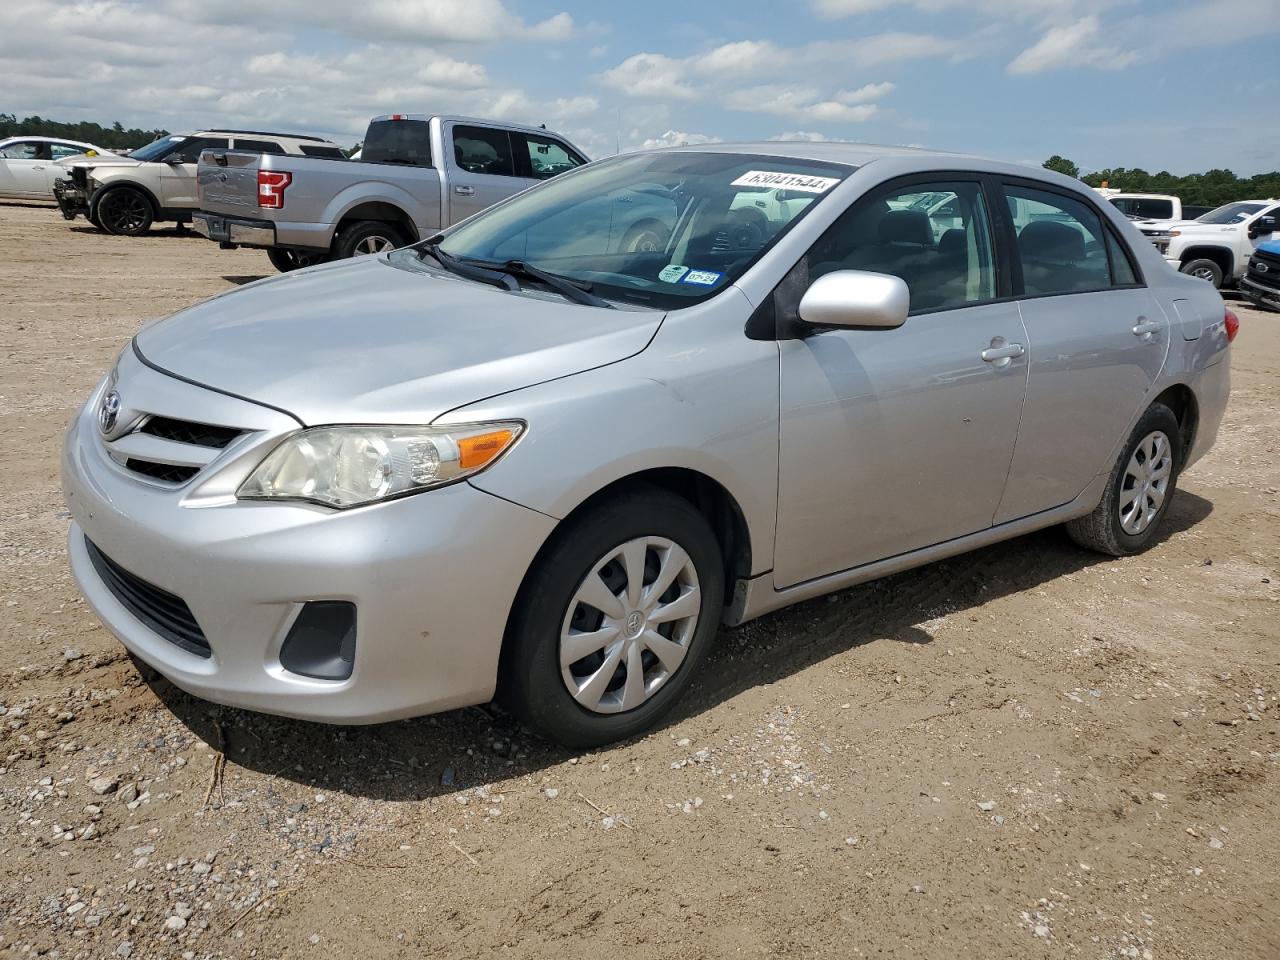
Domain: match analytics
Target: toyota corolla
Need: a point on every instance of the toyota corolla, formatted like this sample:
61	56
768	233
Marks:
527	459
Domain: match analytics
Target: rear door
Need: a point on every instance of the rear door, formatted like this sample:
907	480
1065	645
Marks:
24	169
892	440
1097	339
480	163
178	170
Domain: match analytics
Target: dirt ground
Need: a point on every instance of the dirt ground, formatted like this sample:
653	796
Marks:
1030	751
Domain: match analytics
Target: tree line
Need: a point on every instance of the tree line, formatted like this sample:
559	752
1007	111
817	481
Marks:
1210	189
114	137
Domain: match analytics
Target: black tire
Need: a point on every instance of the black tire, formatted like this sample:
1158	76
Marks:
648	236
285	260
125	211
1204	269
92	217
532	685
1102	529
355	239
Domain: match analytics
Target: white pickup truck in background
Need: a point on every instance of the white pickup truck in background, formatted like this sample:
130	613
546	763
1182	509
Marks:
1217	246
416	175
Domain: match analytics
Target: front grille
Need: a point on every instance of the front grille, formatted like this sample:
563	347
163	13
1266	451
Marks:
1270	277
166	472
168	615
188	431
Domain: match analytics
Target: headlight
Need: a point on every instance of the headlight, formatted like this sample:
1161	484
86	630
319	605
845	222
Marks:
350	466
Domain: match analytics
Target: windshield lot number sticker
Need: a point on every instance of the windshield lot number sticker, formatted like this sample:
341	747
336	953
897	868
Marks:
672	273
703	278
785	181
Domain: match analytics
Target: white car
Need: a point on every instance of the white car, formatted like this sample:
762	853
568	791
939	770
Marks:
29	165
1217	246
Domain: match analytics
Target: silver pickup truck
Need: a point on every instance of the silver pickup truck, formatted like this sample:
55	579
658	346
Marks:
416	174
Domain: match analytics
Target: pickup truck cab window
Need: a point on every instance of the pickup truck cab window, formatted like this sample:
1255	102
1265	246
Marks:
660	229
483	150
1061	244
405	142
547	157
1144	208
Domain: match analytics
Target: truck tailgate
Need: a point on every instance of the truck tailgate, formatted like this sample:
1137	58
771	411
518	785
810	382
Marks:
227	182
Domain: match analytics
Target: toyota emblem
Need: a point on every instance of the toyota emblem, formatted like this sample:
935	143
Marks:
108	412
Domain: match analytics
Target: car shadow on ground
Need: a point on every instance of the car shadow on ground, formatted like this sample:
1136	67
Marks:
431	756
240	281
169	232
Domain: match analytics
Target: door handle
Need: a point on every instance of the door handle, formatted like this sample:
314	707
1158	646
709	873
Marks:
1002	356
37	167
1145	328
463	190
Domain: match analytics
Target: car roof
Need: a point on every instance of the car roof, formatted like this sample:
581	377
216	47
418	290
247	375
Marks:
216	132
829	151
77	143
1142	196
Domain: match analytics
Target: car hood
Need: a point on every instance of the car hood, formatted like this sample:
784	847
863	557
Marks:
366	341
101	160
1195	226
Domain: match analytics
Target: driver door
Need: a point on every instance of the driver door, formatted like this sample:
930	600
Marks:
178	170
893	440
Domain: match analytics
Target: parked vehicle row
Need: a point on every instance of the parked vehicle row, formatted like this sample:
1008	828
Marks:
416	175
522	458
126	195
1261	283
1217	246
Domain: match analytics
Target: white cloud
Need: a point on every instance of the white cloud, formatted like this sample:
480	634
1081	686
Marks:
872	91
650	75
802	136
1072	46
678	138
740	57
800	102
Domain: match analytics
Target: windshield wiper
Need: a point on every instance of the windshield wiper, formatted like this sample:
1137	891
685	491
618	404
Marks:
568	288
471	271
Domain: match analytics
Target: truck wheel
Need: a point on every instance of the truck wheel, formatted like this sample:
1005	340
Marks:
368	236
648	236
1204	269
124	211
286	260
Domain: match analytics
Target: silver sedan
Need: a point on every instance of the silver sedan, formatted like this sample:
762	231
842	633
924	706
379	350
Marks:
526	458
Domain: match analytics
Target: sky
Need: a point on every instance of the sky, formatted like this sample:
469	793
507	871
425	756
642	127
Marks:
1178	85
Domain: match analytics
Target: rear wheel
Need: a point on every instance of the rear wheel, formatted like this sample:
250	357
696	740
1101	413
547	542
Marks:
125	211
614	620
646	237
1139	490
1205	270
285	260
368	236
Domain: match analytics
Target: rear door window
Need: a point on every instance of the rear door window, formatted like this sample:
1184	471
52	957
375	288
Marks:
483	150
260	146
545	157
1061	243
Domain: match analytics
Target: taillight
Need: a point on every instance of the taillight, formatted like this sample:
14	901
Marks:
1232	324
271	187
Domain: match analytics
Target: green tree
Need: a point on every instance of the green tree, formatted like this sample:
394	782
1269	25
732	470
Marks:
1062	165
115	137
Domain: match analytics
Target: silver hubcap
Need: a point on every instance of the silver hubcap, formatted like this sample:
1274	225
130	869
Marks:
374	245
1145	483
1204	273
629	625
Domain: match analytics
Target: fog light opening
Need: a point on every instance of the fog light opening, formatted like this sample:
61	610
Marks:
322	641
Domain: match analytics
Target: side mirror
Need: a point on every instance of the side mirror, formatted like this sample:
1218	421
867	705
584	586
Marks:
1264	225
856	299
176	158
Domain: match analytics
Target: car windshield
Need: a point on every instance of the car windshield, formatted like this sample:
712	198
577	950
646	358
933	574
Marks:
156	148
1232	213
661	229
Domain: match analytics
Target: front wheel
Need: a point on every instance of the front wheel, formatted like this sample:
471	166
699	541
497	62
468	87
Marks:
1204	270
1139	489
124	211
613	620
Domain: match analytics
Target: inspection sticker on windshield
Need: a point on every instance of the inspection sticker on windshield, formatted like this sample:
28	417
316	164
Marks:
672	272
785	181
705	278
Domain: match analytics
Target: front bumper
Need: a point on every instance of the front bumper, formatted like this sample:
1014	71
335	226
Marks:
432	576
238	230
1258	294
72	200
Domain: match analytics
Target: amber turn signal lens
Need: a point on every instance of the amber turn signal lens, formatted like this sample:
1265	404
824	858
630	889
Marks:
474	452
